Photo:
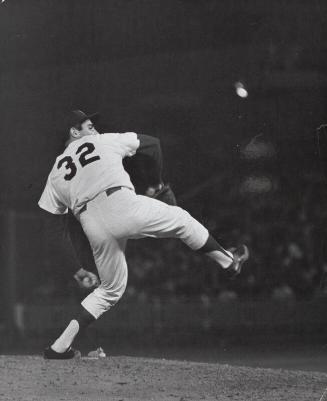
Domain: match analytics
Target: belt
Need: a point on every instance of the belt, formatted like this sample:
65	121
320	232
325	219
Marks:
108	192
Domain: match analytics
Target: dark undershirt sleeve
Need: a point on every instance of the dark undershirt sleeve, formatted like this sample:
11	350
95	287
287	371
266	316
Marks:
150	146
79	243
145	167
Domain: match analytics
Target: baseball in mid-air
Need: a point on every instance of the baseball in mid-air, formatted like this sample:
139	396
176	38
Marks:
240	89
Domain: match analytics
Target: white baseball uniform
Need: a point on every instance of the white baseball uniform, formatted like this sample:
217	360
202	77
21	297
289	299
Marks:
79	180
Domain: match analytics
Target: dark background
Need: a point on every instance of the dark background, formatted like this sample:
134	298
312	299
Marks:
246	167
162	67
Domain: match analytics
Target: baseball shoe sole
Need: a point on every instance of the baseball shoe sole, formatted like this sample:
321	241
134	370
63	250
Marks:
70	353
240	256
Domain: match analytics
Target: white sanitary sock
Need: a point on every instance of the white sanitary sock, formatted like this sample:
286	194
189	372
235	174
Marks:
219	257
67	337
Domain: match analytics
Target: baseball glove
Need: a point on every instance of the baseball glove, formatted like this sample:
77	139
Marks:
162	192
86	280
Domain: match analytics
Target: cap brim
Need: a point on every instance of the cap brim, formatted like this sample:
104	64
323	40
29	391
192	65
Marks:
93	117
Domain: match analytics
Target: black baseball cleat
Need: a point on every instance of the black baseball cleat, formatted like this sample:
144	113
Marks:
240	255
70	353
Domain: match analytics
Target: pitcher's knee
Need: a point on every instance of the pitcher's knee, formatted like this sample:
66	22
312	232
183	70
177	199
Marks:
104	298
184	220
190	231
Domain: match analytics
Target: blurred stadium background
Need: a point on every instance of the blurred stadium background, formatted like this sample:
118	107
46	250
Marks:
243	162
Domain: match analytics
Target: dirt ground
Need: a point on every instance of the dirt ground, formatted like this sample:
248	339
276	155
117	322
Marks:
128	378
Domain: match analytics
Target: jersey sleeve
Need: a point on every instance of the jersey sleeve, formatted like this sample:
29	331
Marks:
50	202
128	142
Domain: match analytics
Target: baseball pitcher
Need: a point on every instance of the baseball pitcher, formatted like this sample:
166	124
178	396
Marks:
145	170
89	179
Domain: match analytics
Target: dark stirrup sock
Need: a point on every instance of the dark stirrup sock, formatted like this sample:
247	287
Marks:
212	245
84	318
75	326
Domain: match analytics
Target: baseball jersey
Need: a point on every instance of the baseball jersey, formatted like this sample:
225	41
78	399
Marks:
88	166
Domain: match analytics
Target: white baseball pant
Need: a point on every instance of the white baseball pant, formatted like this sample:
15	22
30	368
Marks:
110	220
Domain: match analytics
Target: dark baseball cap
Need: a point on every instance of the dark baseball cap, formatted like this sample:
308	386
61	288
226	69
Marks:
77	117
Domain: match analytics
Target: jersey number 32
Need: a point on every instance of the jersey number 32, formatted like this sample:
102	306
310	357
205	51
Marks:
85	151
